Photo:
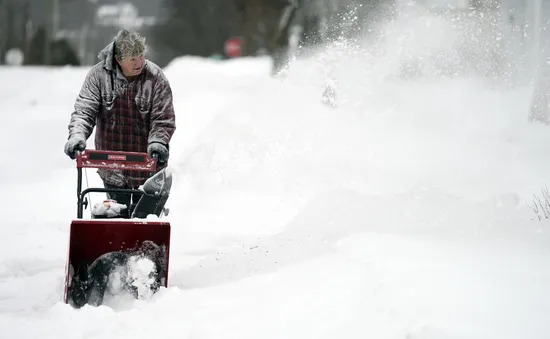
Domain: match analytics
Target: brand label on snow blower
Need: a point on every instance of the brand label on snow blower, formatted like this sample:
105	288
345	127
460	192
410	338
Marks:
116	157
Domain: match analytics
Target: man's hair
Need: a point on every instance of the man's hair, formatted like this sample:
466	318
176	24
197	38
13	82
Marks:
129	44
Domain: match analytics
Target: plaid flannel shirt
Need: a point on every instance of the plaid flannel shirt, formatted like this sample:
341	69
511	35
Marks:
127	114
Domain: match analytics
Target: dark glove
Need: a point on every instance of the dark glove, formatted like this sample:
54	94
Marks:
74	144
158	150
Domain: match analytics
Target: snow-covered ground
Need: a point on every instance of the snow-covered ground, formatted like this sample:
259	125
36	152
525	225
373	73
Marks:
404	212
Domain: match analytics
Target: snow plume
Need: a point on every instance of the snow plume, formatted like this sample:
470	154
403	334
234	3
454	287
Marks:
420	43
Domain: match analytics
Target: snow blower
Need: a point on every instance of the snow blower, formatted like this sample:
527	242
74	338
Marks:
120	248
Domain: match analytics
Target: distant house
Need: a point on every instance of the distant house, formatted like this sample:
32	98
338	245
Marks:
107	17
122	15
88	25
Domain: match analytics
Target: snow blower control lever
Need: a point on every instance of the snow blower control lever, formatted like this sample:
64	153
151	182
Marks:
110	160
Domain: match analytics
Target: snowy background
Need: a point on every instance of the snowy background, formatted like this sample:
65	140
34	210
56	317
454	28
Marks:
403	212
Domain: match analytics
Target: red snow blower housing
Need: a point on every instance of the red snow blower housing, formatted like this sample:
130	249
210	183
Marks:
124	250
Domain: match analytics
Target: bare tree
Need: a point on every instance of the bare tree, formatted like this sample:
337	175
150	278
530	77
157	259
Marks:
14	33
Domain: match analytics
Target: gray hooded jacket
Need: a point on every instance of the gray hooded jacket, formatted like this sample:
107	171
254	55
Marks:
127	115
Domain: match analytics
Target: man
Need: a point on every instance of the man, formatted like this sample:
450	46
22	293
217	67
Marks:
129	101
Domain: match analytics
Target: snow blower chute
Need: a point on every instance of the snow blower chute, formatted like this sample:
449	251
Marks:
120	248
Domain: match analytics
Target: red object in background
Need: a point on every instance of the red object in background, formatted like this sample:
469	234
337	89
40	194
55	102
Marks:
233	47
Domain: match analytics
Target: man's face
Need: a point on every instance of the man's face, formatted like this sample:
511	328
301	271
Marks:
132	66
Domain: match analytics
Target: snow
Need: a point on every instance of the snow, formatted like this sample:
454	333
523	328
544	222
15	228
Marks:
140	271
109	208
402	212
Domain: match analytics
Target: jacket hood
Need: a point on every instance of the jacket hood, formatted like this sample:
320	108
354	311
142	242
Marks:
107	56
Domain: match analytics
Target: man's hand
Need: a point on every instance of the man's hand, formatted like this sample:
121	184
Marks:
159	150
75	143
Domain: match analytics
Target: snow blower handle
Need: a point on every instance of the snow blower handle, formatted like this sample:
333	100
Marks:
116	160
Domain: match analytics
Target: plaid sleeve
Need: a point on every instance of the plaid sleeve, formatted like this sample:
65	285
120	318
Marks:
163	119
86	107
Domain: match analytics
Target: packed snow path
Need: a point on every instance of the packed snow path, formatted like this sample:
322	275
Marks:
403	212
